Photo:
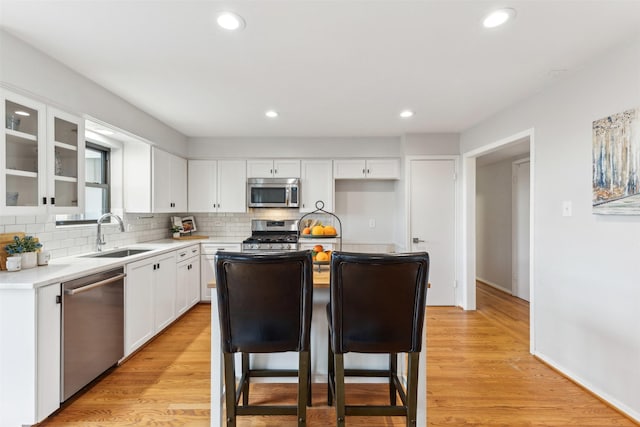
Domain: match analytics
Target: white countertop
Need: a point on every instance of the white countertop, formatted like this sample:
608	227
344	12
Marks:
72	267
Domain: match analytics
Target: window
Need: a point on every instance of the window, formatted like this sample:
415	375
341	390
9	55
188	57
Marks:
97	187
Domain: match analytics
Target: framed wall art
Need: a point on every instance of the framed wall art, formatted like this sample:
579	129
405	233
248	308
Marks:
616	164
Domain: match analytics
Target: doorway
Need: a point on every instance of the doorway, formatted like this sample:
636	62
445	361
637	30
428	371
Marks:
469	231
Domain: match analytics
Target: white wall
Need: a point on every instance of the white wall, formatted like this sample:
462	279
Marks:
30	71
585	291
493	224
217	148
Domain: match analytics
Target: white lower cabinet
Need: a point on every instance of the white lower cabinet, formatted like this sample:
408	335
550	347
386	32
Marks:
207	266
188	278
150	293
29	355
48	351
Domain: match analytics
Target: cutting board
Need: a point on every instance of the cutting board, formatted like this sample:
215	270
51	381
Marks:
192	237
5	239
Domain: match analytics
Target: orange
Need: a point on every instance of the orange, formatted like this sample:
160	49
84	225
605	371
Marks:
318	248
330	230
322	256
306	230
318	230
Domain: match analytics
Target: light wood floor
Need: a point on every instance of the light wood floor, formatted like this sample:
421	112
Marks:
479	373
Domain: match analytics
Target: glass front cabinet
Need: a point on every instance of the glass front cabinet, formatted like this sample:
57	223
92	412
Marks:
42	162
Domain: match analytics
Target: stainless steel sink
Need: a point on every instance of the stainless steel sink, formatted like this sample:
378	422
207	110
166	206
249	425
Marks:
120	253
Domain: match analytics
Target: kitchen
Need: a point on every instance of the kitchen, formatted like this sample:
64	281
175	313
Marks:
377	199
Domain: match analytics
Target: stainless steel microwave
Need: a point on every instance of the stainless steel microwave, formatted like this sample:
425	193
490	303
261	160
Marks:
273	192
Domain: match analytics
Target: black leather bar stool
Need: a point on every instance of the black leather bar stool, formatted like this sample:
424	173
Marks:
377	305
265	305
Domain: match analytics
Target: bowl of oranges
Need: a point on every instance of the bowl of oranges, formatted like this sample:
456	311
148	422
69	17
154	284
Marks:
320	256
320	231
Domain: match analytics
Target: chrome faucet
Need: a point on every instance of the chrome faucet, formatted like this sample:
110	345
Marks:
100	240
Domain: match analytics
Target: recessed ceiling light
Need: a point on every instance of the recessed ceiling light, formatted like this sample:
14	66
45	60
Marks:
272	114
230	21
104	131
22	113
498	17
406	114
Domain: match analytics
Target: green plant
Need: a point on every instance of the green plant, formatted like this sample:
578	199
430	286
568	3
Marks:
175	229
20	245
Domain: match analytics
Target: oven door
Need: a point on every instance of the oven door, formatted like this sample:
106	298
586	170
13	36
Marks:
272	193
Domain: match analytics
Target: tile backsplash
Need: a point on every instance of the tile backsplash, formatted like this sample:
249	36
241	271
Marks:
72	240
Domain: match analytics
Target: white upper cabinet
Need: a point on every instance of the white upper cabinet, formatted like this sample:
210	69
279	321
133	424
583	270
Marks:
155	181
42	162
278	168
316	183
217	186
65	161
169	182
366	169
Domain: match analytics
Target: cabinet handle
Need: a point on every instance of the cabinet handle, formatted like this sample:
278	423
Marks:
158	266
367	170
183	254
53	200
362	171
44	200
154	266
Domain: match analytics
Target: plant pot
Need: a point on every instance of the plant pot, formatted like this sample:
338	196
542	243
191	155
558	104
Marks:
176	235
29	260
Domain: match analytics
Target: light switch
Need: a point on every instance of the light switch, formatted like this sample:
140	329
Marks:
566	208
372	223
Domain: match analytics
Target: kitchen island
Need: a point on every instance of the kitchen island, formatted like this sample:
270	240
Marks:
319	342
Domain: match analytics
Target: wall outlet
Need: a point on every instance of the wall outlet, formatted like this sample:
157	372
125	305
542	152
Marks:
129	227
372	223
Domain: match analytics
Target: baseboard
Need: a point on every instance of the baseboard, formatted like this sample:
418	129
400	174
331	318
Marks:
590	388
494	285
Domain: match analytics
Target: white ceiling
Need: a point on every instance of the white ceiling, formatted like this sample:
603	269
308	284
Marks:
331	68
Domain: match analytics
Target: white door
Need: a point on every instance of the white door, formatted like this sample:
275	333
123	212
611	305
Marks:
432	225
521	230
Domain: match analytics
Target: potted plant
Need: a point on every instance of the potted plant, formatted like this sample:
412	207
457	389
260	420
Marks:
176	231
25	247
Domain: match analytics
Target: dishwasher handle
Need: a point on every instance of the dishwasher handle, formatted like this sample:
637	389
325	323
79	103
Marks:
94	285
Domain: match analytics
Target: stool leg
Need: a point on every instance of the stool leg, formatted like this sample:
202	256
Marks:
331	372
245	374
412	389
230	388
339	378
309	381
303	387
393	370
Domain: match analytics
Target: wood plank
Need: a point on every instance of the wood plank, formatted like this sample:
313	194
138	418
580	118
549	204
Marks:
479	373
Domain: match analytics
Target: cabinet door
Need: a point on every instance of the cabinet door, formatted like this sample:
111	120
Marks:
164	290
286	168
202	185
137	177
23	175
178	184
161	181
48	350
193	283
316	184
383	168
182	283
138	306
232	186
65	162
259	168
349	169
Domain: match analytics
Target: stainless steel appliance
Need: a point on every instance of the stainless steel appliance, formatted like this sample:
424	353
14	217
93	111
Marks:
272	235
273	192
92	328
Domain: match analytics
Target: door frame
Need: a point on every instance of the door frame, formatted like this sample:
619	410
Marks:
458	213
514	223
468	289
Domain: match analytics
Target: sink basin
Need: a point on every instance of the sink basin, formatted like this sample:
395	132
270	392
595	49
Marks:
120	253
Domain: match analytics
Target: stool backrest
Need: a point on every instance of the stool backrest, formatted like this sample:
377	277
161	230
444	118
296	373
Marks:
264	301
378	301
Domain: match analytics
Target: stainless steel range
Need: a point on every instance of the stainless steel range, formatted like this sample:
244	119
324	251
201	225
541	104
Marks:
272	235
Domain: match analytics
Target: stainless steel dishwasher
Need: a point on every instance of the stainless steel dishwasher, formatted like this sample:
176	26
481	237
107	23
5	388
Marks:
92	328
